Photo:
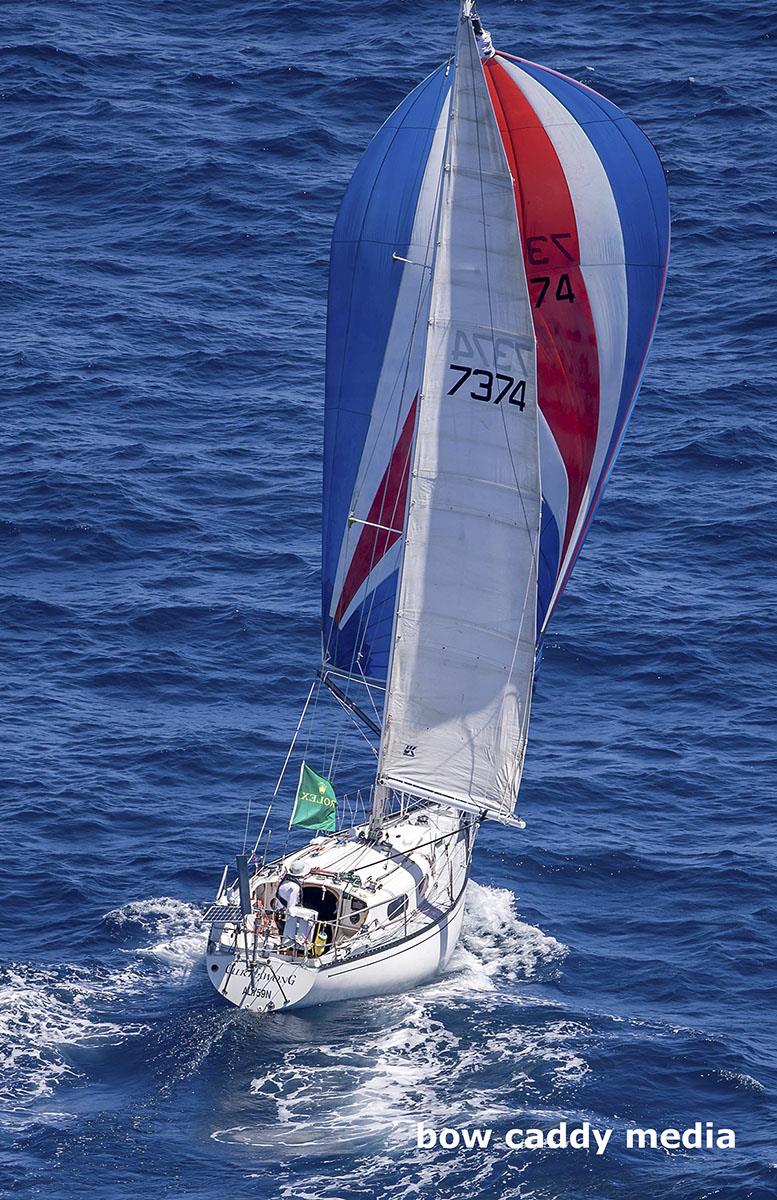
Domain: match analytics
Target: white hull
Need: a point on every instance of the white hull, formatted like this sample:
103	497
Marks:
394	956
277	983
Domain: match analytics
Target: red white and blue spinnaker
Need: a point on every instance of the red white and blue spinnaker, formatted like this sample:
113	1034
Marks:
592	216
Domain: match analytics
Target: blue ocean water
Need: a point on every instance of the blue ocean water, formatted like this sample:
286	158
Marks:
170	175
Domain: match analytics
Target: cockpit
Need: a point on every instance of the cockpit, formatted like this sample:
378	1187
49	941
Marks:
323	915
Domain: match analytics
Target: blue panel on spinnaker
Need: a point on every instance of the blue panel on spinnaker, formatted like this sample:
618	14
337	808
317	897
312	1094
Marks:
364	640
547	570
375	221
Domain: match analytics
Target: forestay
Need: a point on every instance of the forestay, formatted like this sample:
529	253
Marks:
461	671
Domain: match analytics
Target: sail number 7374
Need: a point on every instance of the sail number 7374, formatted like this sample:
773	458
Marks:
492	387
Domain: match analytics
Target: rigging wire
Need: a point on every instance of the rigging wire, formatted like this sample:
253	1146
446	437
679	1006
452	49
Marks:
369	693
357	724
294	738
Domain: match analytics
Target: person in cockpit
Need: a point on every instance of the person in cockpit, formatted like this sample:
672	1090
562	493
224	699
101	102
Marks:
288	895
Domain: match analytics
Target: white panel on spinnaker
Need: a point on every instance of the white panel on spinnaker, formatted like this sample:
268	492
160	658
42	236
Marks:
462	662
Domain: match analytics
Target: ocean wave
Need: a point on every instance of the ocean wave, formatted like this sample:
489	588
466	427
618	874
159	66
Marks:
496	946
173	171
47	1011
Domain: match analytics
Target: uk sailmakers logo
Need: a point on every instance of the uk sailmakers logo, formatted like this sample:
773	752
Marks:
409	751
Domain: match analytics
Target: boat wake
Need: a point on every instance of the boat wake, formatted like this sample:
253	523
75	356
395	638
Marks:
496	946
175	928
48	1011
351	1079
431	1054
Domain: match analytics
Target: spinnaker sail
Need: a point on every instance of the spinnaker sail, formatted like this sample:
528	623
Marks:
496	273
379	290
593	217
593	211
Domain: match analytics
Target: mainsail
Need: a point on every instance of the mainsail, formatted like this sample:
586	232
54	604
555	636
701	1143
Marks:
458	694
496	273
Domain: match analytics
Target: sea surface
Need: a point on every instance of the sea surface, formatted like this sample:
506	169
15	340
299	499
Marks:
170	174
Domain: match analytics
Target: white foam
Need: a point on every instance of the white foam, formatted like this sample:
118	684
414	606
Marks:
497	947
45	1010
177	926
347	1096
742	1081
365	1093
553	1049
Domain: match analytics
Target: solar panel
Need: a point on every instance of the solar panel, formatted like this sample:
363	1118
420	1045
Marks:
223	912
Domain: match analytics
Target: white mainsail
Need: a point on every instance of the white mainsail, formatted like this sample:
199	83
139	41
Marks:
460	678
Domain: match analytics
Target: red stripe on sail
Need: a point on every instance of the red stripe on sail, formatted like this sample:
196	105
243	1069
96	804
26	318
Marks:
387	510
567	358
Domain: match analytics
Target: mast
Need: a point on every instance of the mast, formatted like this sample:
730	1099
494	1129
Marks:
525	172
462	652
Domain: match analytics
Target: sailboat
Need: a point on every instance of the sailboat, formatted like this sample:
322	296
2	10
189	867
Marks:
496	272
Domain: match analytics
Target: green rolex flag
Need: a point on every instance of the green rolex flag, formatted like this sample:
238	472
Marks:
316	803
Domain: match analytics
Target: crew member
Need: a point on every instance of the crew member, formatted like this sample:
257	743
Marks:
288	895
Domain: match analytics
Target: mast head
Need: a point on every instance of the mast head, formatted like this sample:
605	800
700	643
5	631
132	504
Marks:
482	36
